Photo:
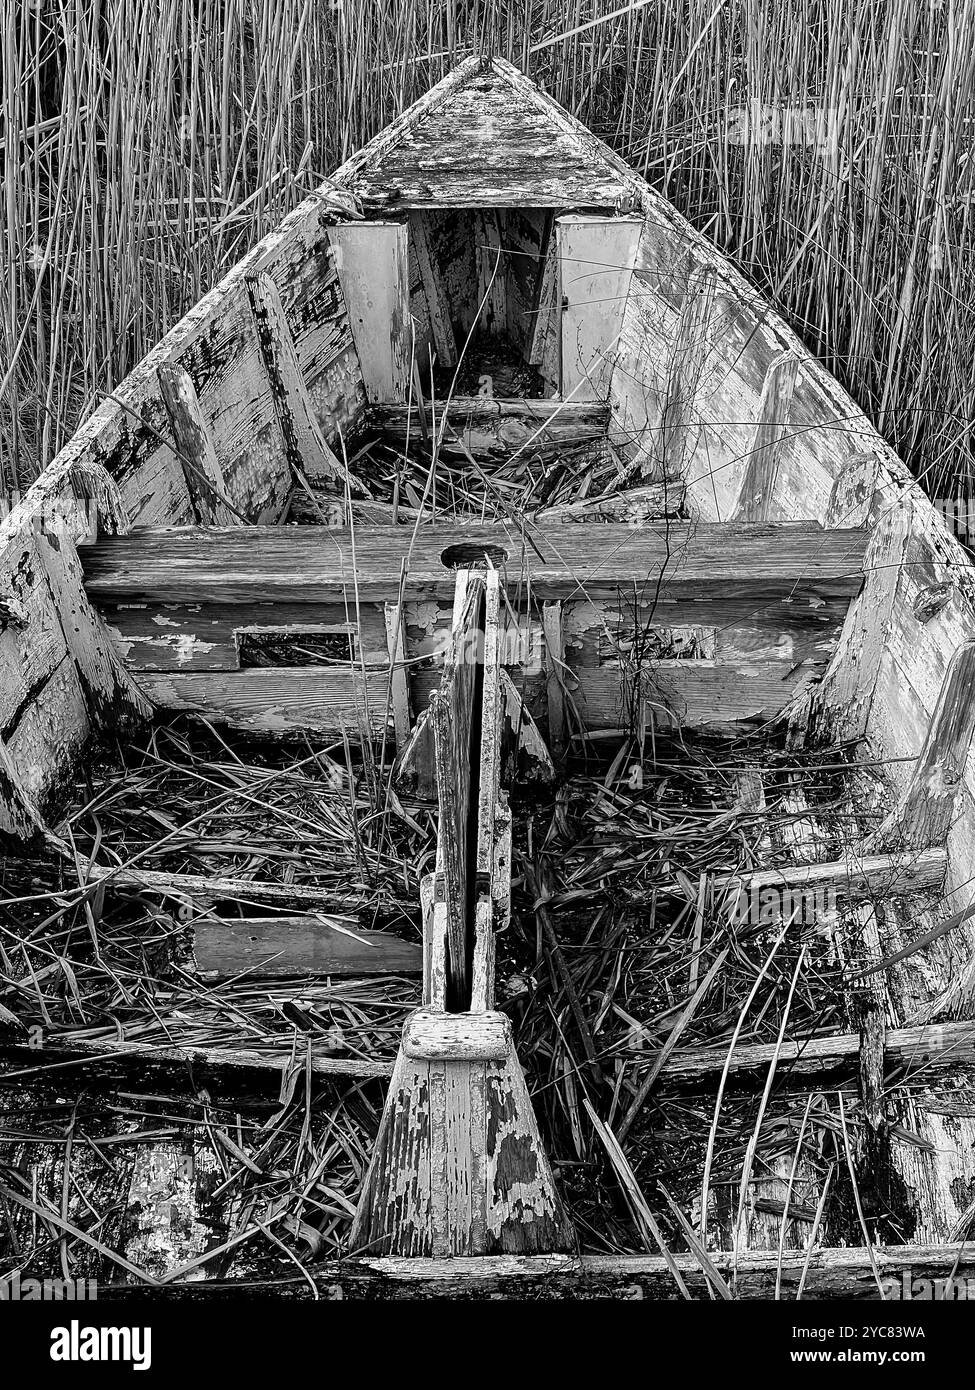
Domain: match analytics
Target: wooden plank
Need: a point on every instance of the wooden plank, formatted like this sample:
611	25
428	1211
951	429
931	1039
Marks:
438	303
483	1036
275	700
842	1273
596	257
491	735
284	947
911	1051
756	498
492	272
415	771
545	349
857	877
306	449
314	565
199	890
526	755
372	263
635	505
678	432
195	451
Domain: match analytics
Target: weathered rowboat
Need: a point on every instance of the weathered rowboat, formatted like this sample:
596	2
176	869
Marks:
646	521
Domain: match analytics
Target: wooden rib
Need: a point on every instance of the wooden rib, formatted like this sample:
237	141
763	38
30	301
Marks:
372	263
545	351
195	452
684	375
305	446
924	810
762	465
436	295
285	947
399	681
271	563
596	257
492	272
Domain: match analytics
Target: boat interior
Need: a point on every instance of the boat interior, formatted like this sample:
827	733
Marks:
485	769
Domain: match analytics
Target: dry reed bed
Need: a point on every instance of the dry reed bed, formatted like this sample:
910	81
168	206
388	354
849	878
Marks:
147	146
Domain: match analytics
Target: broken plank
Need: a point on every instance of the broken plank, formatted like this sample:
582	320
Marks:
496	427
310	564
399	680
438	304
307	450
194	448
857	877
283	947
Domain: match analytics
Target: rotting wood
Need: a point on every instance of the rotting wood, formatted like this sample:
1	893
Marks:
826	1274
596	257
495	428
59	1052
415	770
856	877
307	450
908	1052
638	504
371	258
438	303
313	565
924	810
287	947
755	499
197	889
194	447
492	272
482	1036
526	753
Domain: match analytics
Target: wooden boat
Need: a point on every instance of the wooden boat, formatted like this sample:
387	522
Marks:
627	516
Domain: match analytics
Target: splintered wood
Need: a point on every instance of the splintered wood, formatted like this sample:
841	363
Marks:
459	1167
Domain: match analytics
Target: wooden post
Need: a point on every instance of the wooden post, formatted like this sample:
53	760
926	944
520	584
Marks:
555	669
399	682
596	257
459	1168
762	464
372	262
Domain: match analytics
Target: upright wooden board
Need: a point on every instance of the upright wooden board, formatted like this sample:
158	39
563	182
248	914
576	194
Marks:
596	257
371	258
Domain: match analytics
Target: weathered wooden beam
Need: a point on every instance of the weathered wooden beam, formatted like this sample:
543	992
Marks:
307	450
415	771
924	810
314	565
841	1273
204	889
495	428
637	504
545	346
275	700
194	447
285	947
907	1051
58	1052
762	465
372	263
492	272
596	258
854	878
678	428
